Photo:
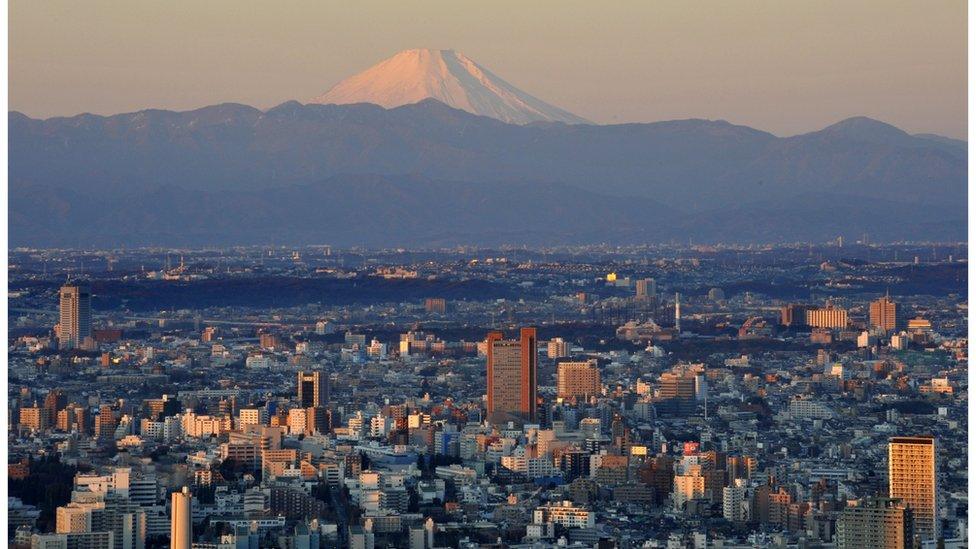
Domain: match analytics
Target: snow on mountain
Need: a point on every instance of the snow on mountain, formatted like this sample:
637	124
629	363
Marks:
447	76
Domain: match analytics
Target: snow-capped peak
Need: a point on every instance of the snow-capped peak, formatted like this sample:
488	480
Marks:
447	76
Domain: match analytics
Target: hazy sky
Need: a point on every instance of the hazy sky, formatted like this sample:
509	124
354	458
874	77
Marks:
782	66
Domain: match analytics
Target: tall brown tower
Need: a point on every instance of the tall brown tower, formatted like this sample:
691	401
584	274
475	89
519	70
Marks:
512	383
883	314
76	317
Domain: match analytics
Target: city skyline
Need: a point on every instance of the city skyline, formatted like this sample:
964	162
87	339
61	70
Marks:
547	275
438	397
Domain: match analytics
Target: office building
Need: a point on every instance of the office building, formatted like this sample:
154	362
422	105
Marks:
793	315
577	379
557	348
646	287
913	478
735	502
883	314
688	487
565	514
75	325
181	525
875	522
829	317
677	385
35	418
512	376
313	388
677	393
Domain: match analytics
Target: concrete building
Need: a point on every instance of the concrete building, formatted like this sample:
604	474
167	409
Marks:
75	319
512	383
827	317
565	514
735	502
913	478
577	379
313	388
557	347
883	314
645	288
181	525
876	522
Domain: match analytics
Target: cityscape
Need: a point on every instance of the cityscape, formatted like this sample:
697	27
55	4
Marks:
534	275
664	396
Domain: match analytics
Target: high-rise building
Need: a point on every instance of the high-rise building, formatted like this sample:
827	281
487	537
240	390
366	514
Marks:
735	501
793	315
54	402
313	388
827	317
677	394
875	522
677	385
181	525
512	376
557	348
35	418
109	511
687	487
913	478
646	287
105	422
76	323
883	314
127	521
318	419
270	341
658	472
577	379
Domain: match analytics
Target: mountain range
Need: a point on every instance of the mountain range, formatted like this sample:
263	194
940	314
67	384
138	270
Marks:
428	173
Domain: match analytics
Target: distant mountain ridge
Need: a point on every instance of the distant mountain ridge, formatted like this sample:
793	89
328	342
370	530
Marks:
448	76
87	177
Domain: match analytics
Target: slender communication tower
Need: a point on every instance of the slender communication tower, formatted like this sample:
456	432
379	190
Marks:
677	312
705	376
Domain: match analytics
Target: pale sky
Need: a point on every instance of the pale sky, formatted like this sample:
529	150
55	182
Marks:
783	66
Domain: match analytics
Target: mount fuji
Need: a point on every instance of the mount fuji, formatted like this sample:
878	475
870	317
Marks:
450	77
